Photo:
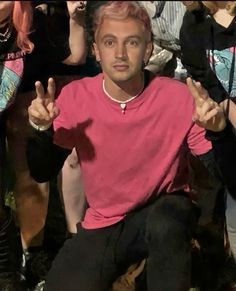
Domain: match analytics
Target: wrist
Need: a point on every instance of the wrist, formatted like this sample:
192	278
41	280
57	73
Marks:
40	127
225	107
218	135
77	21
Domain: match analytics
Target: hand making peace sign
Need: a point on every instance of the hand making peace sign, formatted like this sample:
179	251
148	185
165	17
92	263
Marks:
208	114
43	110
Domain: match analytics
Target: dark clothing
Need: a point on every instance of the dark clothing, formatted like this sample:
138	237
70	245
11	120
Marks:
92	260
19	70
225	155
42	62
11	71
44	158
208	53
205	47
160	231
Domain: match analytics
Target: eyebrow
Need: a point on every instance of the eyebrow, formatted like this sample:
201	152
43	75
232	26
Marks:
128	37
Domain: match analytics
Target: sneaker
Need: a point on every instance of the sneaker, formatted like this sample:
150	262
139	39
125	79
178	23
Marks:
40	286
35	268
12	282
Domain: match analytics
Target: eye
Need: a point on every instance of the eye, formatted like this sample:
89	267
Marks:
132	43
109	42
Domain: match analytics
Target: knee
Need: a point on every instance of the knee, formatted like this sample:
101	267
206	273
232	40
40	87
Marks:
27	187
172	217
72	160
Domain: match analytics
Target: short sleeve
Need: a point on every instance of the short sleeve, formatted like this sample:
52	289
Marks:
63	125
197	142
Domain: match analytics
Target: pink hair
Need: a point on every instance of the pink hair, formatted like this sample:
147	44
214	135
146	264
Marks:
121	10
22	20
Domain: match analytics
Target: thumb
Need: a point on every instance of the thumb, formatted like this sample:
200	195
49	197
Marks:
195	117
53	110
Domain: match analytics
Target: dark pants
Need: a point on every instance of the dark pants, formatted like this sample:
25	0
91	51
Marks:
160	232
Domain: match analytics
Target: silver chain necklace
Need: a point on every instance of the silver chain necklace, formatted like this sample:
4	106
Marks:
122	104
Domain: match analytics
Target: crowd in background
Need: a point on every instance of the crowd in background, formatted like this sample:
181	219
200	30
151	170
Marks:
46	48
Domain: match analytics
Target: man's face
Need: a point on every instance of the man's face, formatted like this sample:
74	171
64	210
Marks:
121	46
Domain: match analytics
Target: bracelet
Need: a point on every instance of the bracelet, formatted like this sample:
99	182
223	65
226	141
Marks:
39	127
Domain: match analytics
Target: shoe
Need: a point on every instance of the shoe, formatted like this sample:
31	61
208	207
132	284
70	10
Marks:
12	282
228	275
35	267
40	286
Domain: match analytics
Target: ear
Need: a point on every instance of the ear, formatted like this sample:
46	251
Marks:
148	51
96	52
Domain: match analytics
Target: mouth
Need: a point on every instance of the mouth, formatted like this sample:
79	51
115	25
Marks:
120	67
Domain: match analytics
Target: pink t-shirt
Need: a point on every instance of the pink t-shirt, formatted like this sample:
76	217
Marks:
126	157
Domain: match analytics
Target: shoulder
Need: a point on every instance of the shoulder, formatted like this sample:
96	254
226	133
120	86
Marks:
168	84
194	17
171	91
195	29
194	22
81	88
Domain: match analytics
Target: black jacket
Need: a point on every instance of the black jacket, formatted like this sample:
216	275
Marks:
208	53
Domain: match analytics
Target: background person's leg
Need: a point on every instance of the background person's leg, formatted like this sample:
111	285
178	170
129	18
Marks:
31	197
9	244
231	222
72	192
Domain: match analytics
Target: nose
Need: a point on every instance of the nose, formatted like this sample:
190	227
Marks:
121	52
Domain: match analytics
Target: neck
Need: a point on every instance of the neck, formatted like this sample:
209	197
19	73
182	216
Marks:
123	91
223	17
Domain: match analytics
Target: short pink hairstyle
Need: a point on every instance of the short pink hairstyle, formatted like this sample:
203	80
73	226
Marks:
122	10
22	16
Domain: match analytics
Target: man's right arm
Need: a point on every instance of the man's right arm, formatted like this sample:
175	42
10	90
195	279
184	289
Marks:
45	159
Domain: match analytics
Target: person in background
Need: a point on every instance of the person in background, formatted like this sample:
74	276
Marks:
131	187
166	19
67	47
208	53
15	23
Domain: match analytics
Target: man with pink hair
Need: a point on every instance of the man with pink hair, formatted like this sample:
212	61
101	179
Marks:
132	145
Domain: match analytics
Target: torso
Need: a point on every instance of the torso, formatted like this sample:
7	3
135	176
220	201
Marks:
126	157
